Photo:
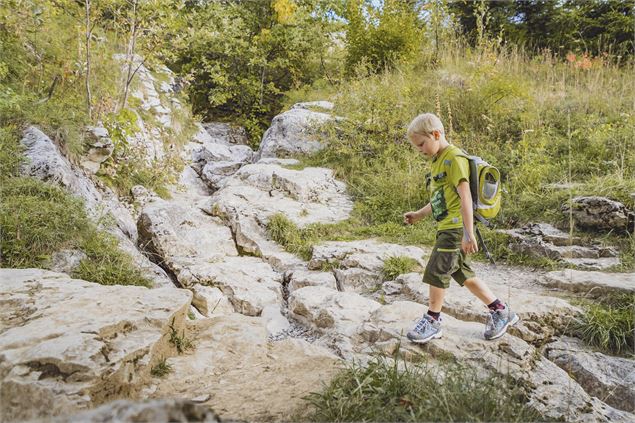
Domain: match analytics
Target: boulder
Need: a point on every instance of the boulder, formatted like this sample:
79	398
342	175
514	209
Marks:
100	148
67	344
210	301
599	214
293	132
611	379
224	133
65	261
365	254
256	192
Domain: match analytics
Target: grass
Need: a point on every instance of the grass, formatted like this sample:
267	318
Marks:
180	342
395	266
609	324
162	368
394	391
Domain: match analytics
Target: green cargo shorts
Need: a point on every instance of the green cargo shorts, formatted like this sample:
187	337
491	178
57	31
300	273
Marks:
447	260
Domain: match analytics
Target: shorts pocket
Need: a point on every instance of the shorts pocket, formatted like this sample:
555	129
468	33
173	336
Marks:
447	260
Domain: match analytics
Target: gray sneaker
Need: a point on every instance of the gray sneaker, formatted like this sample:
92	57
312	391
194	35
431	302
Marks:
426	329
498	321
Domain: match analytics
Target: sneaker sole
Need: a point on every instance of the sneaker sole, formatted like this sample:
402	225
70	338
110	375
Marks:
502	332
437	335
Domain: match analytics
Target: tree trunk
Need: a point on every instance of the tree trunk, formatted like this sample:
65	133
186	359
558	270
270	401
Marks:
88	36
130	55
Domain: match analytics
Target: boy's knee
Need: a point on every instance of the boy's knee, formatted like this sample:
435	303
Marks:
471	281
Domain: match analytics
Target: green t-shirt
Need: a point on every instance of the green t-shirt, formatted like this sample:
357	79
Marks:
447	171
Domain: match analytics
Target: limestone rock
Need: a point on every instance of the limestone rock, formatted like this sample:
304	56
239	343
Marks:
302	278
325	105
67	344
224	133
173	233
328	310
293	132
245	377
365	254
256	192
46	162
543	240
210	301
592	284
157	411
65	261
611	379
599	214
275	322
100	148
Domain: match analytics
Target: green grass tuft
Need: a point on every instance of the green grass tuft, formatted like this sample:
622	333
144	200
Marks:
180	342
395	266
608	324
161	369
387	391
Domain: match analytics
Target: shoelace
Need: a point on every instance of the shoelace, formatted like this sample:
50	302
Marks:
421	324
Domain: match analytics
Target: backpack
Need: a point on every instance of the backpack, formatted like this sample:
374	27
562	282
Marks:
485	187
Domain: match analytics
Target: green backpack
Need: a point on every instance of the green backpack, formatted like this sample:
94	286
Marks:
485	187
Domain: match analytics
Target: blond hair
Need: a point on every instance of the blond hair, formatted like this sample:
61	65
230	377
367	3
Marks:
424	124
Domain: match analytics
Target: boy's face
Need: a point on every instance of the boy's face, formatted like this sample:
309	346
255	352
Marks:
426	144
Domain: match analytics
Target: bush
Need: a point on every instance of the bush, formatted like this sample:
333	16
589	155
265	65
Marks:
383	391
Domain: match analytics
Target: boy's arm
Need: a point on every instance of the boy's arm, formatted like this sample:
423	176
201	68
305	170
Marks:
413	217
425	210
469	243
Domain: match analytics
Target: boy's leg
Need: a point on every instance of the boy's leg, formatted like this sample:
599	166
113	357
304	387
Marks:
435	302
480	290
500	317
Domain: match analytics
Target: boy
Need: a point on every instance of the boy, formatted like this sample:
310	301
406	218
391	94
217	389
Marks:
451	206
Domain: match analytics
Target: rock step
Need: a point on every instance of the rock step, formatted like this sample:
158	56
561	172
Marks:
611	379
591	283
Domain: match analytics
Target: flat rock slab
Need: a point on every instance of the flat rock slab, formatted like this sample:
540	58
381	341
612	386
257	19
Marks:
366	254
591	283
611	379
181	235
328	310
242	376
67	344
551	391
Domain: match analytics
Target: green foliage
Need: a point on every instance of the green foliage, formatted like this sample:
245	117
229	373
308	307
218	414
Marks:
241	56
37	219
161	369
397	391
395	266
286	233
106	263
608	323
380	37
593	26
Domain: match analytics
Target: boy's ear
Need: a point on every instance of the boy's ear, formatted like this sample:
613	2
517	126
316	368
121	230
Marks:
436	134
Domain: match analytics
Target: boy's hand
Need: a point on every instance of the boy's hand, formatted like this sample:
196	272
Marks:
411	217
469	244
